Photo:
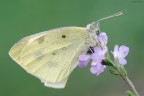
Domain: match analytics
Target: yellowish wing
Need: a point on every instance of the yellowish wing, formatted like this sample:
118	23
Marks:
52	55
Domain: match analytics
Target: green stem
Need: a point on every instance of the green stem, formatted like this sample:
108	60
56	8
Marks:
123	76
128	82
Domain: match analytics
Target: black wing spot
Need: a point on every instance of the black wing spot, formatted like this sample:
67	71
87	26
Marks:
53	53
63	36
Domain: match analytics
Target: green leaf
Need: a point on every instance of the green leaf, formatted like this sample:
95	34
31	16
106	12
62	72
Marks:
130	93
123	71
114	72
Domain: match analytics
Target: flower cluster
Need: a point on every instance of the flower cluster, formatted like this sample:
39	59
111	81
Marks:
99	55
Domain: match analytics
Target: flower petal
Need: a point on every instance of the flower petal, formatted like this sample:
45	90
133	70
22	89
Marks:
103	39
83	60
122	61
93	70
97	49
123	51
94	56
101	57
115	52
97	58
97	69
84	57
93	63
105	49
100	69
99	53
82	64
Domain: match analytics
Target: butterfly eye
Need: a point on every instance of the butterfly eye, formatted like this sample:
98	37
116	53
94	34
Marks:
97	32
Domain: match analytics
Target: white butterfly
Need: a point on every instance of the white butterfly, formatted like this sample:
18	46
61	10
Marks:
52	55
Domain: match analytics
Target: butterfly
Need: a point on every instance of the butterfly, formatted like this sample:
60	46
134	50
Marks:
52	55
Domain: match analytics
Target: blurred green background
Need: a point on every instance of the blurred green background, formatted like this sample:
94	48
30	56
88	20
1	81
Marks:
20	18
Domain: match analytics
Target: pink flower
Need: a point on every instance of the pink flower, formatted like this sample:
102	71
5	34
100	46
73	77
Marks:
120	53
97	57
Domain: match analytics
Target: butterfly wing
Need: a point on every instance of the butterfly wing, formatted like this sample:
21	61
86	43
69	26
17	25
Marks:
52	55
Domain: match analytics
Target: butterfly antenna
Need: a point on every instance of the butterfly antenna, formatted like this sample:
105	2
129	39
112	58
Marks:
94	26
114	15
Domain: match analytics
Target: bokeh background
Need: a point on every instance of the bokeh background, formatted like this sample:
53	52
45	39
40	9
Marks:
20	18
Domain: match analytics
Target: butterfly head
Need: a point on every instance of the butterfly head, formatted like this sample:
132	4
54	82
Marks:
94	28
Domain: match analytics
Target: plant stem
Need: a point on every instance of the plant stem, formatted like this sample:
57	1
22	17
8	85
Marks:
127	81
133	88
